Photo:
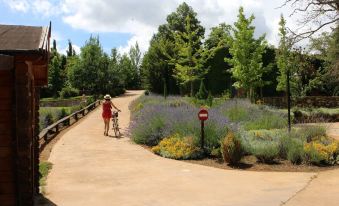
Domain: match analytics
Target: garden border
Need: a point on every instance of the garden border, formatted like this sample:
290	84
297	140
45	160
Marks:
50	132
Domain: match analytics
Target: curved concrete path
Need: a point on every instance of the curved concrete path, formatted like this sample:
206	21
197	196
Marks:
91	169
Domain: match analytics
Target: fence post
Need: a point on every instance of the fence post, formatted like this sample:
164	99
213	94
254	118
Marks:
45	137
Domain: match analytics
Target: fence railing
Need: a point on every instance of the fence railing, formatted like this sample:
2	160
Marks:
50	132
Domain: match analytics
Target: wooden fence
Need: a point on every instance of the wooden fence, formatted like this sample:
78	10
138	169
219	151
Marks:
48	134
308	101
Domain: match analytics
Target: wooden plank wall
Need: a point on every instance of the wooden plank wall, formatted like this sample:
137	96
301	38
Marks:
24	90
7	153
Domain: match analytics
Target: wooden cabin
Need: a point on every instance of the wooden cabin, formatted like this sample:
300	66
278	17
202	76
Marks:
24	55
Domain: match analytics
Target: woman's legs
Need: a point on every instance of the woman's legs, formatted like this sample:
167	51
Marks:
107	126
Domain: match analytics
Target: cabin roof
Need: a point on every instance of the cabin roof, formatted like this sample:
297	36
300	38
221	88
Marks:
17	38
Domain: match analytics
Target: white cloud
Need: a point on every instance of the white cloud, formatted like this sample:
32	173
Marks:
142	18
18	5
45	8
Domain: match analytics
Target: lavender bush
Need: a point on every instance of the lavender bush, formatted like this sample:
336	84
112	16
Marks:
252	117
159	118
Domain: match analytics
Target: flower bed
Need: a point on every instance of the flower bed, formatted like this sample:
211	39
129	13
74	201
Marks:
235	129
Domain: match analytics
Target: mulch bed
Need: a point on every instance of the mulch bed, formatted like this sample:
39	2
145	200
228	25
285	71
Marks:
249	163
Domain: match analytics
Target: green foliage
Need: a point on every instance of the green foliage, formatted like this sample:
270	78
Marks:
68	92
216	152
283	55
231	148
313	132
285	143
169	49
155	65
187	66
56	73
48	120
202	93
177	147
237	114
216	49
61	113
70	51
300	66
265	151
326	45
267	121
94	72
295	153
87	72
209	99
44	168
291	148
246	60
149	134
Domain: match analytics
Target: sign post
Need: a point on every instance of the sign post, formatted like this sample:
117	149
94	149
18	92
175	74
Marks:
203	116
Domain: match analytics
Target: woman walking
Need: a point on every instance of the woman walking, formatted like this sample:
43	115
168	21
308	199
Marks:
107	112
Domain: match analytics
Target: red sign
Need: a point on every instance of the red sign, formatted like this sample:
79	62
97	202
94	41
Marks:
203	114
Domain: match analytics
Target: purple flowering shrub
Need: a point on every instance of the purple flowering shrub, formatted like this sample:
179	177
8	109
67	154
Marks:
158	118
251	116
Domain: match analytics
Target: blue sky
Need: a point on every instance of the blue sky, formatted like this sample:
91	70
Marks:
120	24
61	30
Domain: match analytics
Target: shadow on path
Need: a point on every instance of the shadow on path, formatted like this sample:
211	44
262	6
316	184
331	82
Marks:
41	200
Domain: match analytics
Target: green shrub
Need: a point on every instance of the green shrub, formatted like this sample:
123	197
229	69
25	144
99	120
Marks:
76	108
48	120
90	100
237	114
285	143
266	121
311	133
177	147
150	134
61	113
68	92
216	152
231	149
202	93
265	151
226	94
44	168
209	99
295	153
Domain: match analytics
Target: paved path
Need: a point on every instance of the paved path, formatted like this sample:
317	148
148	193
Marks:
333	130
91	169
